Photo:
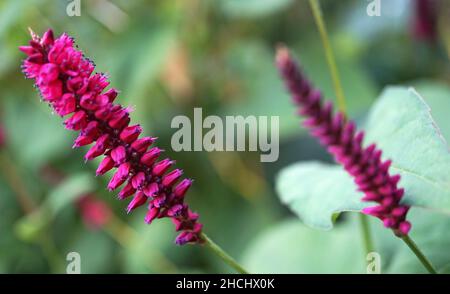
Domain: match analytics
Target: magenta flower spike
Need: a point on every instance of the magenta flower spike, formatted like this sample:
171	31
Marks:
345	143
94	212
2	136
425	22
66	81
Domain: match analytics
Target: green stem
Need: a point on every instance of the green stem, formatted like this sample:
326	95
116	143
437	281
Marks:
317	12
11	174
423	259
222	254
24	199
318	17
125	236
53	256
367	236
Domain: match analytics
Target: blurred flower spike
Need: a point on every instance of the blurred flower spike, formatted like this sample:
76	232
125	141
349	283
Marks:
2	136
94	212
66	81
425	24
345	143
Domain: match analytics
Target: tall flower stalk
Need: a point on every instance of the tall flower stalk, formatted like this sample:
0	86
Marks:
66	81
424	21
341	104
364	163
2	136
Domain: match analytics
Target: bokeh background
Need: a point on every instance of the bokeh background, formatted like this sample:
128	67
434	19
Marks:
168	57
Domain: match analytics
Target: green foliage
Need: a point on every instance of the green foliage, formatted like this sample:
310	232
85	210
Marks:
263	92
408	134
430	234
359	90
38	138
316	191
305	250
68	191
436	96
291	247
65	194
252	8
94	261
147	251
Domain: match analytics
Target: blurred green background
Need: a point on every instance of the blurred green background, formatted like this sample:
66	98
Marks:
168	57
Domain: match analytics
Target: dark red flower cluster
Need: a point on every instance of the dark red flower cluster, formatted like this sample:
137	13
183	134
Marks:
94	212
2	136
66	81
334	131
425	20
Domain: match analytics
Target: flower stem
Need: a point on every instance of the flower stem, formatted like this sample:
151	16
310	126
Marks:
24	199
50	251
222	254
126	235
9	170
318	17
423	259
317	12
366	235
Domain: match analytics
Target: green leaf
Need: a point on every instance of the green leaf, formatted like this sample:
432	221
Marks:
8	15
430	233
291	247
251	66
368	29
437	96
315	191
147	252
252	8
30	226
38	138
401	124
67	192
96	252
148	63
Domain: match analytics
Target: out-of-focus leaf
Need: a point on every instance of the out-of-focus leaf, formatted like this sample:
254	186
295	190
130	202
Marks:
15	256
148	63
315	191
263	94
291	247
29	227
359	90
68	191
38	138
147	253
96	251
9	11
8	14
430	232
437	96
251	65
394	15
150	59
401	124
252	8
